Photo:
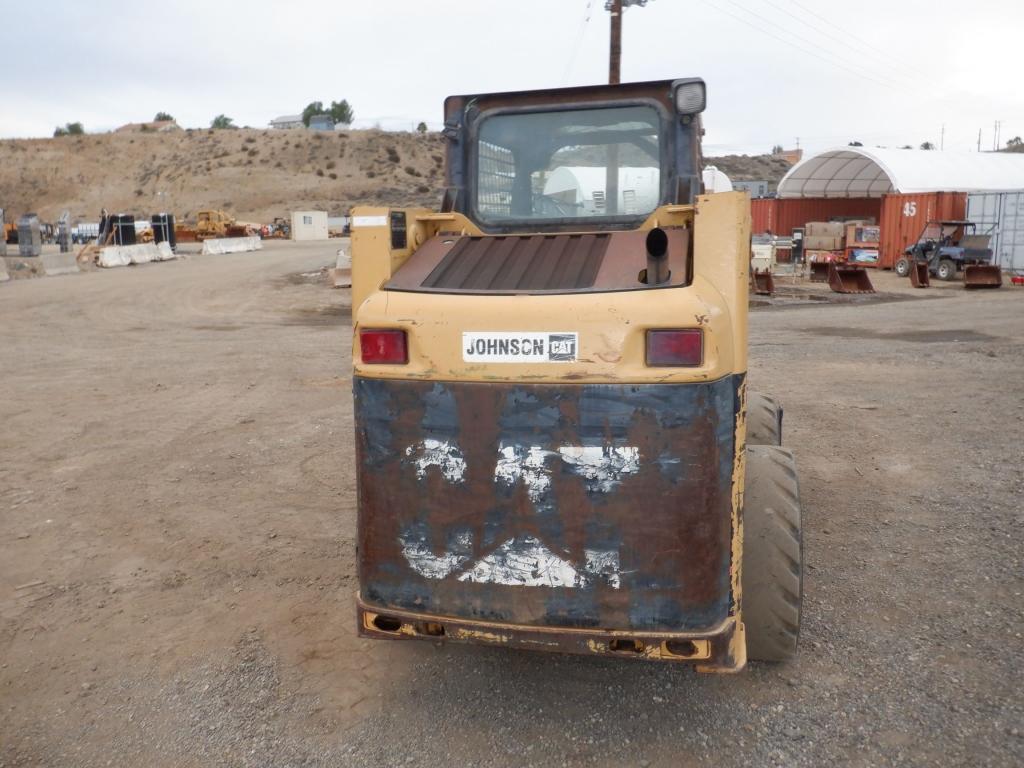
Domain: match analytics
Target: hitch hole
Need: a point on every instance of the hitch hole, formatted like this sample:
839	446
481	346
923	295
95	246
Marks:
387	623
685	648
431	628
626	644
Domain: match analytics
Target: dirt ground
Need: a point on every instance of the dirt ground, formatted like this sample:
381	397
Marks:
177	529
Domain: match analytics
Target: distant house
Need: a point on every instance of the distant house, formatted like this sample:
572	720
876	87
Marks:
154	126
791	156
287	121
321	123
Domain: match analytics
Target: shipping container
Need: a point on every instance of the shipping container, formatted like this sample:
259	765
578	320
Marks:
904	217
1001	215
781	216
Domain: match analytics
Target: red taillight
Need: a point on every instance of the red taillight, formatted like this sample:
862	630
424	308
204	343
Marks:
383	346
679	347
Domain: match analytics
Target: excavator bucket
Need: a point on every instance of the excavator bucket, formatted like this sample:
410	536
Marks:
846	278
819	271
982	276
763	284
919	277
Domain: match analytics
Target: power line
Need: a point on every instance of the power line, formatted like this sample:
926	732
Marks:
800	48
576	44
846	38
847	33
862	73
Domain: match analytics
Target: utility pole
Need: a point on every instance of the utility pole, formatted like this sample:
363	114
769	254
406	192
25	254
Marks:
615	49
979	139
942	138
611	179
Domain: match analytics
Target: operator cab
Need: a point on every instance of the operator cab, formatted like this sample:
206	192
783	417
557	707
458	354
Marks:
572	158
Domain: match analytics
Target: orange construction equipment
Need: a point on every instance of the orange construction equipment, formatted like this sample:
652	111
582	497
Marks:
919	277
185	234
982	276
819	271
761	282
847	278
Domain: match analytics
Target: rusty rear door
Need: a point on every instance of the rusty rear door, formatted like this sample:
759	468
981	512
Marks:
548	505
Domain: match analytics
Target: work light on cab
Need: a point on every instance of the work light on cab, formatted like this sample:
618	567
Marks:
383	346
683	347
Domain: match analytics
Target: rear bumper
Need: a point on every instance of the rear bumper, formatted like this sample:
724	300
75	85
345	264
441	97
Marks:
720	649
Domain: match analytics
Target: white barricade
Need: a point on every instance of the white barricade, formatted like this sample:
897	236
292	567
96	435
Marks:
220	245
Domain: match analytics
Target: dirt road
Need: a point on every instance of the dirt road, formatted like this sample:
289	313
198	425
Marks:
177	524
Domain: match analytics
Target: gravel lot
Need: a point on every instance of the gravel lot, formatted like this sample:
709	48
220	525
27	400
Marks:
177	527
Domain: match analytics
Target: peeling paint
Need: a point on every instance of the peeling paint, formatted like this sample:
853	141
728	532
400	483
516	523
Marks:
422	560
517	462
604	563
480	635
525	562
438	453
601	467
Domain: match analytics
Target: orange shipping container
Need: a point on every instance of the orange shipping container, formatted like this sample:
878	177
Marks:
780	215
904	218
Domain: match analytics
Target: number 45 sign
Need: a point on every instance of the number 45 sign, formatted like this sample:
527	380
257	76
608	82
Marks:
910	208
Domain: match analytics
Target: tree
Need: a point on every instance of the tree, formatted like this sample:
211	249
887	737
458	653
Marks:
906	146
927	145
341	111
1016	141
421	128
313	108
69	129
221	122
777	149
163	116
855	144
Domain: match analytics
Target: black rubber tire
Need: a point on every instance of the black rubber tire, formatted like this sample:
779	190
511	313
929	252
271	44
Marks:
772	582
764	420
946	270
902	266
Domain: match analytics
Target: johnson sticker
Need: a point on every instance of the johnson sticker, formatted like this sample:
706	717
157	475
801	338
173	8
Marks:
520	347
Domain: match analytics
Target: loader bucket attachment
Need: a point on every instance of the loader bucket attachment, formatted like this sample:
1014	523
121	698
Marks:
819	271
763	284
982	276
846	278
919	277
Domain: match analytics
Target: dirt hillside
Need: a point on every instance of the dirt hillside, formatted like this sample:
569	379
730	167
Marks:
253	174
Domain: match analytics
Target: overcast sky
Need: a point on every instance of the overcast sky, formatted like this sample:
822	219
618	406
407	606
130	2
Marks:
885	72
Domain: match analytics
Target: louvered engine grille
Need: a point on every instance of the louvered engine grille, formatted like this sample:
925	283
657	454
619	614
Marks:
520	263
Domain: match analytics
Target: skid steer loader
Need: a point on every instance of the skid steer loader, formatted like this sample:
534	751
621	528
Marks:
556	447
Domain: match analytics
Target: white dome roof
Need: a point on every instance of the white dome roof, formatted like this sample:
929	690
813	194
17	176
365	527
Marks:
864	172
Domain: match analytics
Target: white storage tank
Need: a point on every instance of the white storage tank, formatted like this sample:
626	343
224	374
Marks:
715	181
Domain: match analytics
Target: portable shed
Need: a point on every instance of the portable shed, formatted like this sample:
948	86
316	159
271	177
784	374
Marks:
309	225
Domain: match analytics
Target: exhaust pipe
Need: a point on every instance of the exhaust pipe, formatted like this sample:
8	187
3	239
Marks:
657	271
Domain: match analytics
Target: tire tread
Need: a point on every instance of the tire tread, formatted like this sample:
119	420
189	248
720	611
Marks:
773	554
